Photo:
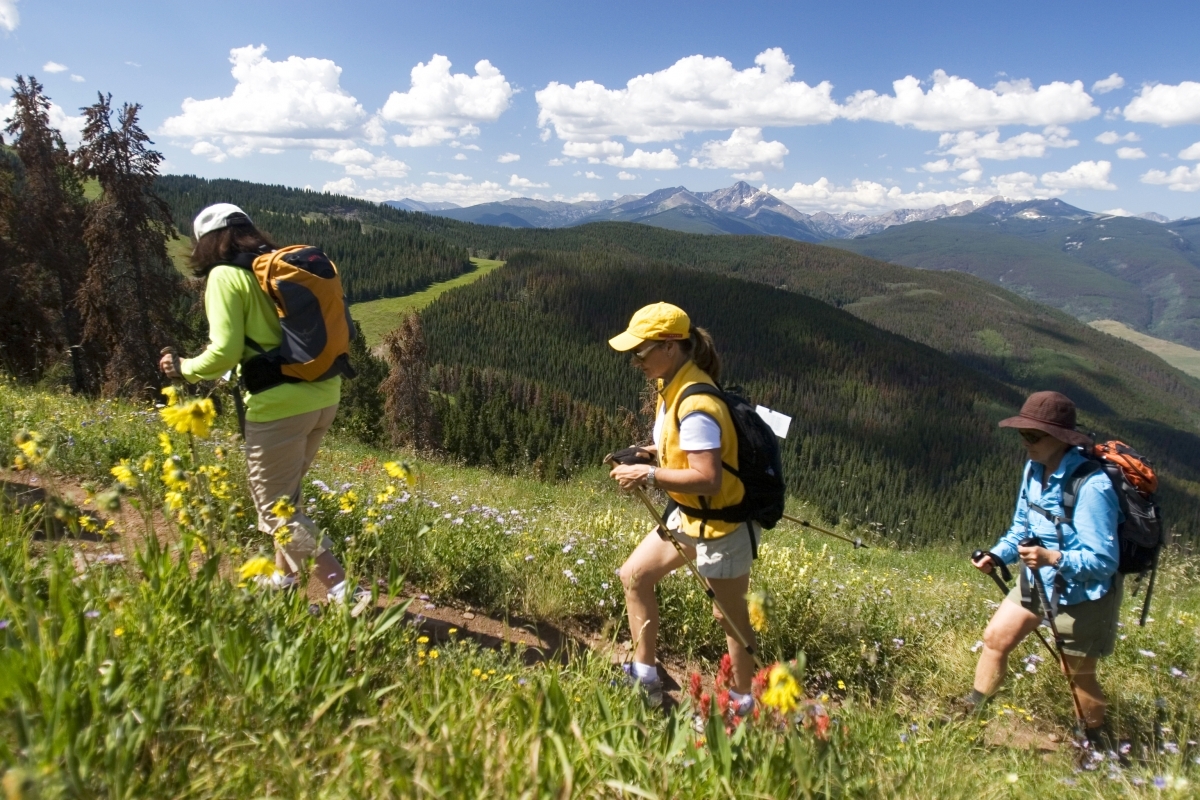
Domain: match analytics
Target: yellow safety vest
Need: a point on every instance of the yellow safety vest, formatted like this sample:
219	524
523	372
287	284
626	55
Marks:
670	455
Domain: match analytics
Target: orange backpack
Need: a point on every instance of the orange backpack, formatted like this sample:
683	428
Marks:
304	285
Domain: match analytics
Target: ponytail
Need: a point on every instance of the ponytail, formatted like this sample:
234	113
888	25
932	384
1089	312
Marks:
700	346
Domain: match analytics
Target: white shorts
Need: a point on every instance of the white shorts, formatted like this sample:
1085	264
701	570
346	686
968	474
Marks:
729	556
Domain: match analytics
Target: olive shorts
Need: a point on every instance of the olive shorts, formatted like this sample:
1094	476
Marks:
1088	629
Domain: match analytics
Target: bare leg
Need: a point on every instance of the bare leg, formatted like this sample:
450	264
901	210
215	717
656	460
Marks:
646	566
1010	624
329	570
1087	689
731	592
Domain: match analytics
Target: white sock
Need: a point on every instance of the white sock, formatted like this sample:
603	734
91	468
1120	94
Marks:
742	703
646	673
337	593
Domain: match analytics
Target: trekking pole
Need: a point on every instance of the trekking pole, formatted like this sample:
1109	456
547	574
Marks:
805	524
1002	583
665	535
1044	598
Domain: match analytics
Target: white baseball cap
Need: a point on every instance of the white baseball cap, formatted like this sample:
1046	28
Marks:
217	216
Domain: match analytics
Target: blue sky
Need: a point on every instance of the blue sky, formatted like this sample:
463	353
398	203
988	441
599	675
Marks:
840	107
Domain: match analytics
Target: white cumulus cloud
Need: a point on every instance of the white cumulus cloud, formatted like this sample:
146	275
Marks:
462	192
508	158
517	182
872	197
696	93
361	163
743	149
1112	137
613	154
1191	153
1180	179
439	100
593	176
78	78
748	176
10	17
1109	84
54	66
953	103
626	176
274	105
1130	153
969	146
1166	105
210	151
941	165
1084	175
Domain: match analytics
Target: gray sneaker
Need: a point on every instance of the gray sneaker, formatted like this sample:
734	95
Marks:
651	691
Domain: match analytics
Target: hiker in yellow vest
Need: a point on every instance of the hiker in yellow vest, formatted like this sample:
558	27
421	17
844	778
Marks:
691	452
285	423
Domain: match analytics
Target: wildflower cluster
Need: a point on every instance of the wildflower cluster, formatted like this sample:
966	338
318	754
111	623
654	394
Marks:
32	454
194	417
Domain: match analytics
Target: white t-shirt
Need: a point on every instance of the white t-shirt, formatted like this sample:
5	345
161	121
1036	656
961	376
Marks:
697	431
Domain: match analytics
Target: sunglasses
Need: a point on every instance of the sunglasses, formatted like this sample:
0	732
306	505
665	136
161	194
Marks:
640	355
1033	437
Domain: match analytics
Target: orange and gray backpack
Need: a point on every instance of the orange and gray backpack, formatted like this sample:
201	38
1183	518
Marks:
304	285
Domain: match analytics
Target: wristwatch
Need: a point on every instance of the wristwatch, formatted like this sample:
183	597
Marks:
650	481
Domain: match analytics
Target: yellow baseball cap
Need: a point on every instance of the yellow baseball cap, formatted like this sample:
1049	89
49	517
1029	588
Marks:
657	322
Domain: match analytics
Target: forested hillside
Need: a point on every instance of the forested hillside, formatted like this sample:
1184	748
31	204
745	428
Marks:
1145	274
376	258
888	433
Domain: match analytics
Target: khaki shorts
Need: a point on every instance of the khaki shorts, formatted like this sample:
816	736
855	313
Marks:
1088	629
278	453
730	556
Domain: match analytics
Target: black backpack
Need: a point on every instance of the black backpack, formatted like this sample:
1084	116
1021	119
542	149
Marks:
1140	536
760	465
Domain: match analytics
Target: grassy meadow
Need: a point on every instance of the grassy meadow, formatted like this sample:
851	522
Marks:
136	666
378	317
1181	357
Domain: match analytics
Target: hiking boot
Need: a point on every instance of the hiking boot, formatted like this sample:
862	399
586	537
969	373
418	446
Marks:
651	691
1107	745
362	598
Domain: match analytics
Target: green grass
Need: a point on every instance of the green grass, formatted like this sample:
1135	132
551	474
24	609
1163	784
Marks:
1183	358
160	678
378	317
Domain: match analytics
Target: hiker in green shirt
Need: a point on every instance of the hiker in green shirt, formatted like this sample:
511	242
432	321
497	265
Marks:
285	423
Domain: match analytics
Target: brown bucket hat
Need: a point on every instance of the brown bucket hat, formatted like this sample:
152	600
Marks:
1053	413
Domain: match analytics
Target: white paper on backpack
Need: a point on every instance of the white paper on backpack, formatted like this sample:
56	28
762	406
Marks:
778	422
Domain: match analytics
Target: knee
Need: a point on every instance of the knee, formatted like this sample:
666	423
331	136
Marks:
995	638
717	615
631	577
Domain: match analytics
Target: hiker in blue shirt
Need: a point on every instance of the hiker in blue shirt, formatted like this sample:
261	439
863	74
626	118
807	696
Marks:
1076	560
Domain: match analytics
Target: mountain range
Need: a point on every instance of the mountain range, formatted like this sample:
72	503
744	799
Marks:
737	209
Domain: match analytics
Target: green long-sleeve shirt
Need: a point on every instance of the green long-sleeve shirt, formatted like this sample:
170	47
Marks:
238	308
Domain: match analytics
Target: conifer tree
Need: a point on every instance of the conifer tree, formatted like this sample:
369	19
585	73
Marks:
26	333
131	295
360	411
408	411
47	229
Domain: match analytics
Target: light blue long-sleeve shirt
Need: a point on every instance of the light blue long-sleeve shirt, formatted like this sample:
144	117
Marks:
1089	545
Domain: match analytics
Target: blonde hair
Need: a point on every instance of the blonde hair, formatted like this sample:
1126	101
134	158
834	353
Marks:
699	345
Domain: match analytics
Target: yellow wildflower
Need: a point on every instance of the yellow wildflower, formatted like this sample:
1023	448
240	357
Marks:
259	565
173	501
29	443
783	693
759	605
195	417
283	536
164	443
147	464
433	653
348	501
220	452
124	474
119	632
172	393
400	471
88	523
173	475
423	639
283	508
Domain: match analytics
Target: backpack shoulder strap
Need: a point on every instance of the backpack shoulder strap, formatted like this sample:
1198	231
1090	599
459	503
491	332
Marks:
1074	483
695	389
